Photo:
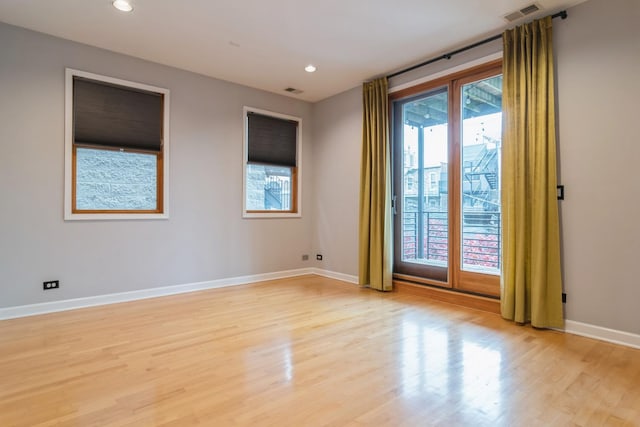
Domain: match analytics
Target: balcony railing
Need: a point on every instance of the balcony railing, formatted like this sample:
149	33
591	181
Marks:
480	239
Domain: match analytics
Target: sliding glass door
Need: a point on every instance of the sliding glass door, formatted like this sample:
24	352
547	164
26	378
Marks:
447	140
422	160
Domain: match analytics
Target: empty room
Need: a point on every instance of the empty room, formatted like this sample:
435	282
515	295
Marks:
356	213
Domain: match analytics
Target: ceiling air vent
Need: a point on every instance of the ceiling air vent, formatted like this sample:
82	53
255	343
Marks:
293	90
528	10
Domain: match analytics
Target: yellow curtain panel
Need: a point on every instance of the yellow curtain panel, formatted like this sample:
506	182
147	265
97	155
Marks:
375	240
531	278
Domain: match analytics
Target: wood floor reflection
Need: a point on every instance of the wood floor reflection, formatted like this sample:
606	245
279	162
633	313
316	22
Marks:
306	351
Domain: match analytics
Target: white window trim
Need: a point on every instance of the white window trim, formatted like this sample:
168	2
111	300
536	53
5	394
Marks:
245	146
68	148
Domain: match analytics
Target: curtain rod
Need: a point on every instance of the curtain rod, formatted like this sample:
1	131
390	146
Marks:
561	14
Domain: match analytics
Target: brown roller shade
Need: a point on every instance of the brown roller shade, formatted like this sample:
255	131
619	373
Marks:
116	116
271	140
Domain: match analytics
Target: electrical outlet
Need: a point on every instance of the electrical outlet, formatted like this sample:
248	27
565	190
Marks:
52	284
305	257
319	257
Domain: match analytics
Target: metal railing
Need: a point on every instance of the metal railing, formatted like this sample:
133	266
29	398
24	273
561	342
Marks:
277	193
480	238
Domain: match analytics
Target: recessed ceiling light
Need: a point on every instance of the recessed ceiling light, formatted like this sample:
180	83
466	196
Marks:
310	68
122	5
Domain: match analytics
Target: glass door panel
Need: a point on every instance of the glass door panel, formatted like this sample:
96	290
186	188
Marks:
422	157
481	138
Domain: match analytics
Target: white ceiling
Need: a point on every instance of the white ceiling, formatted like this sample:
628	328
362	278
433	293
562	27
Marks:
267	43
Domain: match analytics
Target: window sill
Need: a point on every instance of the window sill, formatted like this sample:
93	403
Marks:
113	216
275	214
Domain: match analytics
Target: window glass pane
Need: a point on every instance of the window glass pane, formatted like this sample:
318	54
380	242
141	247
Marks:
425	180
268	188
481	145
115	180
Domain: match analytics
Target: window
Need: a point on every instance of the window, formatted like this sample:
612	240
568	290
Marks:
116	148
271	164
447	230
433	182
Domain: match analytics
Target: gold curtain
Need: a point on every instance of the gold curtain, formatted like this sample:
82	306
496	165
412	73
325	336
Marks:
531	288
375	240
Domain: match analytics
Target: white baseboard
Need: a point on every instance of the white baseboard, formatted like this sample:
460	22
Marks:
71	304
604	334
572	327
334	275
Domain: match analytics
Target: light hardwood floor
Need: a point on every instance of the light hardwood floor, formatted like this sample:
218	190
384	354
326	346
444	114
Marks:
306	351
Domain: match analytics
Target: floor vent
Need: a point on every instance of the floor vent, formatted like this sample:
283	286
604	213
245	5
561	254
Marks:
528	10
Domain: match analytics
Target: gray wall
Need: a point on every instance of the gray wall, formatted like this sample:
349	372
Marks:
598	63
598	51
337	136
205	237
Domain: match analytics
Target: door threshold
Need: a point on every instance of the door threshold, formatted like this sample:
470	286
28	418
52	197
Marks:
477	302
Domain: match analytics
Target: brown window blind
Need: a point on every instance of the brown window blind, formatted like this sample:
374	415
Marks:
271	140
110	115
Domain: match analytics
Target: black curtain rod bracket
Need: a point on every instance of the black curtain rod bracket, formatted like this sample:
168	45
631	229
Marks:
562	15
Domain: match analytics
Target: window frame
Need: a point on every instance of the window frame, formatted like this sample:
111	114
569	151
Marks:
162	189
453	277
296	172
